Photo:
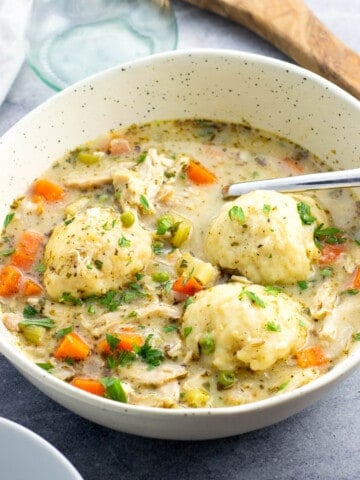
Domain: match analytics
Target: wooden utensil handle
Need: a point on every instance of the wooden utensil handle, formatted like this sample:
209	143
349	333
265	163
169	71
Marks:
294	29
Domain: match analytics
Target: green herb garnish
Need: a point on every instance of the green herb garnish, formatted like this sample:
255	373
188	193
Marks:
266	208
330	235
272	327
66	297
114	389
40	322
305	213
124	242
112	341
64	331
164	224
273	290
350	291
252	297
303	285
356	336
45	366
169	328
98	264
187	331
30	311
151	356
236	213
8	219
145	203
141	158
7	252
40	267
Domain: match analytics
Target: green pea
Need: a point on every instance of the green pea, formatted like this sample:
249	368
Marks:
226	379
207	344
127	219
160	277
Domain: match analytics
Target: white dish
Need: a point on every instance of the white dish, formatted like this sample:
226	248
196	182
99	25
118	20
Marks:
223	85
22	451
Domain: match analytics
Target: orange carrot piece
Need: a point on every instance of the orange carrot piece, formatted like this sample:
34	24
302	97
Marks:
31	288
48	190
293	165
10	279
187	286
89	385
197	173
127	341
72	346
311	357
356	280
330	253
26	250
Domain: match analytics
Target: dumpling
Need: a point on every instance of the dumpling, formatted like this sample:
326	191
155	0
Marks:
94	253
239	324
261	235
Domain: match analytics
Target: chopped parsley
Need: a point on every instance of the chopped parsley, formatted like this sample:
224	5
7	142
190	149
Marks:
273	290
30	311
8	219
236	213
124	242
114	389
356	336
303	285
252	297
169	328
141	158
188	302
66	297
145	203
40	267
148	354
187	331
305	213
266	208
112	341
64	331
330	235
326	272
39	322
45	366
158	248
272	327
283	385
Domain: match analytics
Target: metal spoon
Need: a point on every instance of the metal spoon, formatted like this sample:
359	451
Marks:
313	181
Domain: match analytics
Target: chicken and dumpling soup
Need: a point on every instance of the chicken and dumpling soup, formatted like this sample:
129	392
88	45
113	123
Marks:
124	272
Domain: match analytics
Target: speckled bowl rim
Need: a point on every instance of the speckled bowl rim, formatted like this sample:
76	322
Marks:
339	371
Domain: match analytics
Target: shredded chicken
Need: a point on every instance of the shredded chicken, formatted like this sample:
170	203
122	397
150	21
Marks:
166	396
11	321
141	374
145	181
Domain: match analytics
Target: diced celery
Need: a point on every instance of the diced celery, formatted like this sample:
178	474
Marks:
204	272
87	158
33	333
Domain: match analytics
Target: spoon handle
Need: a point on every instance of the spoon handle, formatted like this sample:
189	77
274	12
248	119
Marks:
295	30
313	181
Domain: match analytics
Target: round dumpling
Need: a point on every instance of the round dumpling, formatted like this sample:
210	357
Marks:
239	325
94	253
262	235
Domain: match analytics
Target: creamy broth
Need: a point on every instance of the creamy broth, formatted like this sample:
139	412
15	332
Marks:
125	273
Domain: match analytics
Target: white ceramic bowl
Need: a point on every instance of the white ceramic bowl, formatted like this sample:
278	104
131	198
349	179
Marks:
221	85
23	451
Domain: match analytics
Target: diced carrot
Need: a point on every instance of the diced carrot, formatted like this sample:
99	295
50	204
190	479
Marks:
293	165
356	280
10	279
311	357
127	341
330	253
26	249
31	288
187	286
72	346
89	385
197	173
48	190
